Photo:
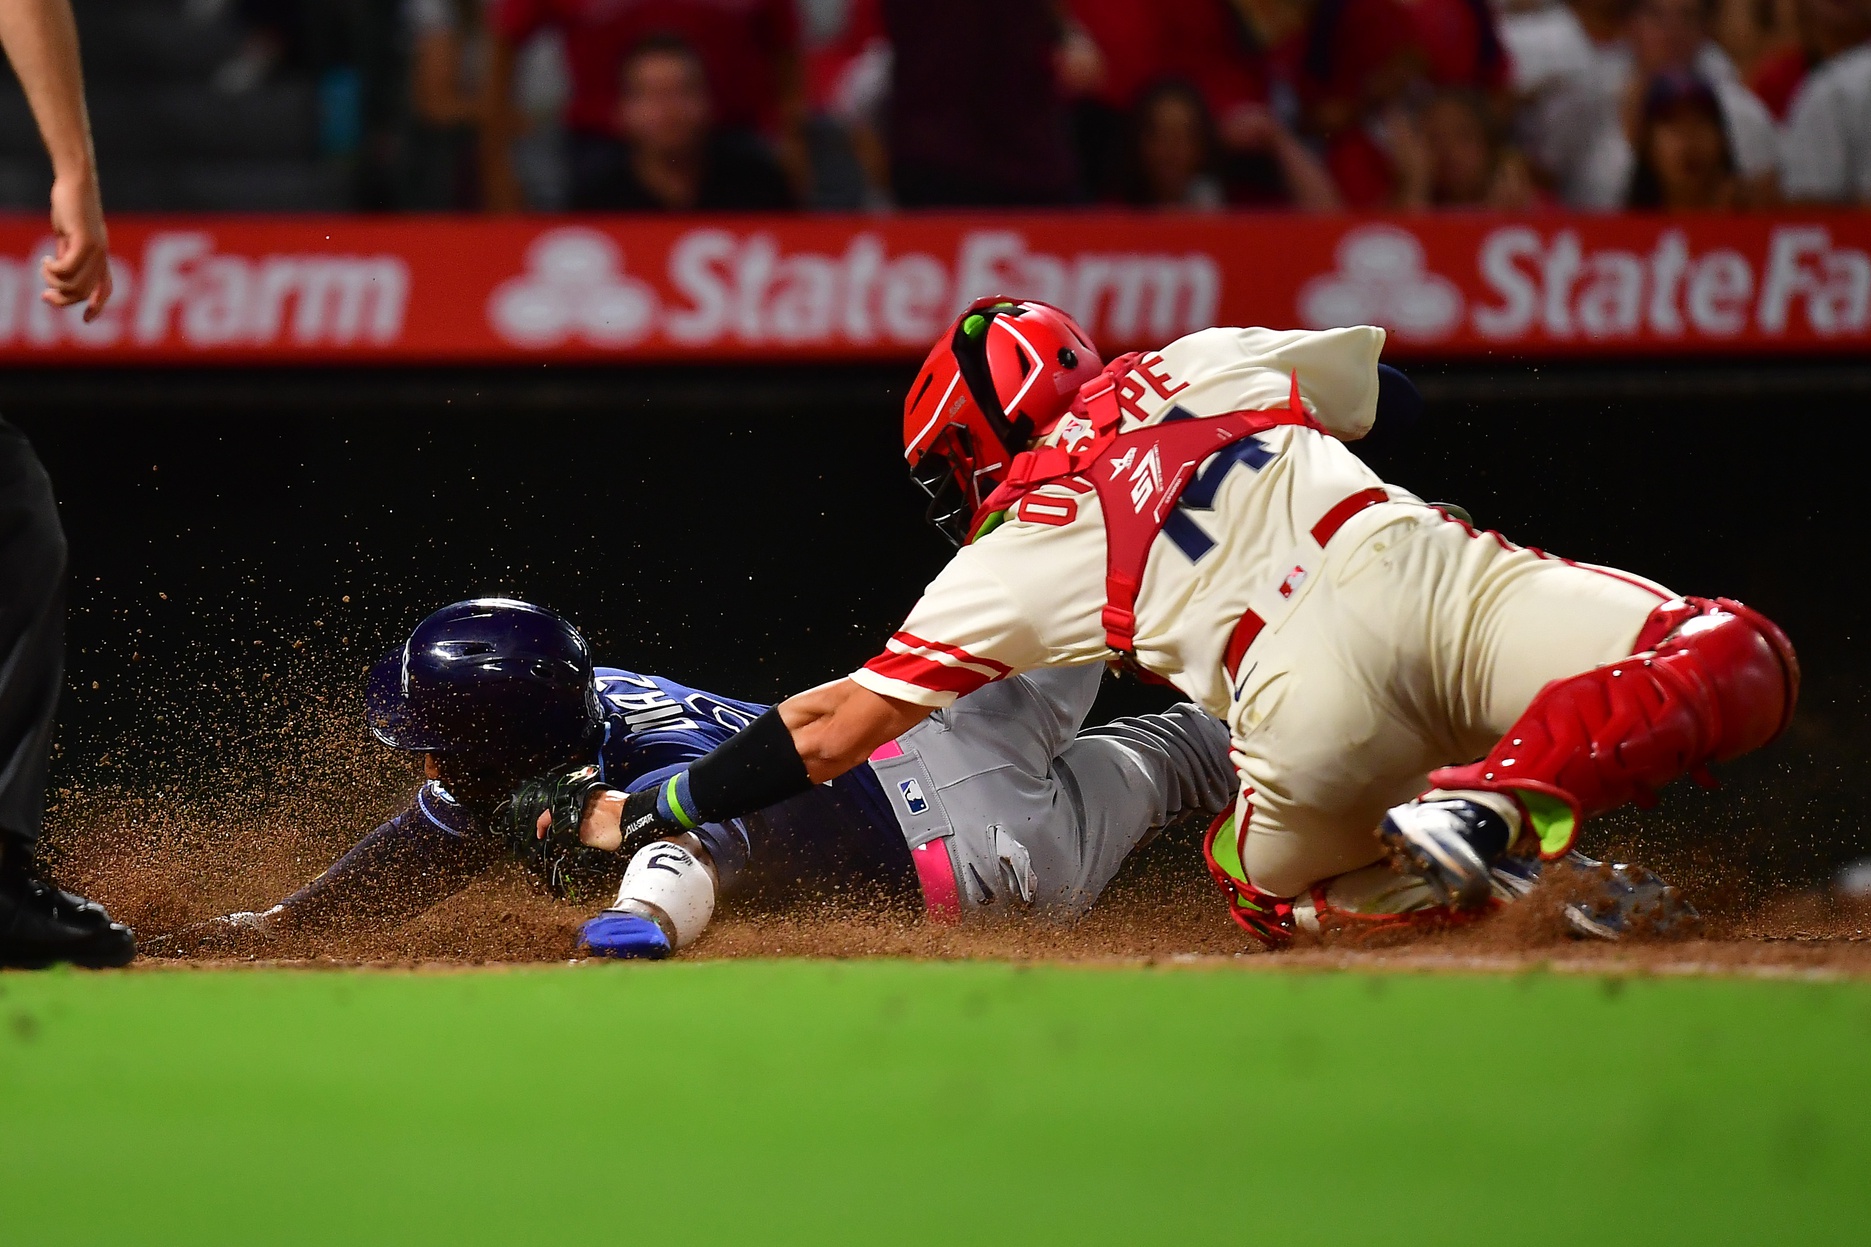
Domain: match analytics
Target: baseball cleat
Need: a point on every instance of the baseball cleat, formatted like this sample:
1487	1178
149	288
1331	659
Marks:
1621	899
1449	841
1628	900
40	925
622	934
1513	876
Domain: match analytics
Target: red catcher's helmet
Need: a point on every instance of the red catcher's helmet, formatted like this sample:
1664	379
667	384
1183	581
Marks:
1001	375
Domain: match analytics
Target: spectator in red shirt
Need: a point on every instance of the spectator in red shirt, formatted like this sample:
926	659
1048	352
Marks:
749	49
1360	59
1213	45
1826	28
1217	47
1460	45
1131	40
976	114
1363	62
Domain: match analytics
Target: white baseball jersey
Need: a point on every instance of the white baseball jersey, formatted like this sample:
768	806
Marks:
1031	593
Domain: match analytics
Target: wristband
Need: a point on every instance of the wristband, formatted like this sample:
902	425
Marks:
641	821
674	801
659	811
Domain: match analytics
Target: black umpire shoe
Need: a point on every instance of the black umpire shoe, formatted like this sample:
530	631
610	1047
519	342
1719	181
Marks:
40	925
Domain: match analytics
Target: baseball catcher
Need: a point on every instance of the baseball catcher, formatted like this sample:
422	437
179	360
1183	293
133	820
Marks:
999	804
1396	683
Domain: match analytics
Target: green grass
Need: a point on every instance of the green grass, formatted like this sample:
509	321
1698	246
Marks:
888	1102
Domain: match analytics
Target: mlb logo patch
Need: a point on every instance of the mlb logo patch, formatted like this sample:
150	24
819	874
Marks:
1294	579
913	796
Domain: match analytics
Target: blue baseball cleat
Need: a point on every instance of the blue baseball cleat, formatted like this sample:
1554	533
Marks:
620	933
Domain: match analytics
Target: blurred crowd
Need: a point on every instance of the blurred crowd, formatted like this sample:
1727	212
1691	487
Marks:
1201	105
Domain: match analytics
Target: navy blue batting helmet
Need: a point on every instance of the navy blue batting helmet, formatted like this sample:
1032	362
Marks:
490	676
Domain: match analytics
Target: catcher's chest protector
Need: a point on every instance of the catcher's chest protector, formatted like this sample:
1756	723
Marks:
1139	477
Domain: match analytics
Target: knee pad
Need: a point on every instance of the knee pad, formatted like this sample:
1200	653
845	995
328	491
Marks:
1712	680
1741	662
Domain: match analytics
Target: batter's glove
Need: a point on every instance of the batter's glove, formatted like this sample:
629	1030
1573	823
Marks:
559	858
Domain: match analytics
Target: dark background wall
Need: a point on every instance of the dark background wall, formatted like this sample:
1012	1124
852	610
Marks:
244	543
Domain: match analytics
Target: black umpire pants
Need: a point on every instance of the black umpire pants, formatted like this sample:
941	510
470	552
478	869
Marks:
32	637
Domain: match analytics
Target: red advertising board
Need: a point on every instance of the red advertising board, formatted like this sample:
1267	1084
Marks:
462	289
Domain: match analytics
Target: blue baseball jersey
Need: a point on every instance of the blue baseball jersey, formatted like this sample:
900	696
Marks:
655	727
837	836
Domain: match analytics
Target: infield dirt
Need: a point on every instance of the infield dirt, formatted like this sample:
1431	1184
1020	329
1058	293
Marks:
166	849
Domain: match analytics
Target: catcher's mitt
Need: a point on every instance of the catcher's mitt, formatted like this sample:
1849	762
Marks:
558	858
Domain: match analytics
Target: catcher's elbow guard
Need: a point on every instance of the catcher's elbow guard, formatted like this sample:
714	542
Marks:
671	886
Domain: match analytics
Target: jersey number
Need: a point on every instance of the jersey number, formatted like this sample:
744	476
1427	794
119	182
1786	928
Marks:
1188	535
1037	509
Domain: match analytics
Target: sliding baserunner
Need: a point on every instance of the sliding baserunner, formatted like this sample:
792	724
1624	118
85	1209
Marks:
999	805
1396	683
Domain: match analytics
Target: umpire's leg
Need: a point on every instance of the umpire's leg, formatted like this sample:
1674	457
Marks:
38	924
32	637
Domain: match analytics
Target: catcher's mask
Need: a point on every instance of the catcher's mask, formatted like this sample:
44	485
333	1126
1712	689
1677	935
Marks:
1002	374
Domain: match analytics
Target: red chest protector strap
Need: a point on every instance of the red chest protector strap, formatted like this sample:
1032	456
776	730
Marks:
1139	477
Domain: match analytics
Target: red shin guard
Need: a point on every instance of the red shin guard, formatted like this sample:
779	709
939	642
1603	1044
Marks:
1712	680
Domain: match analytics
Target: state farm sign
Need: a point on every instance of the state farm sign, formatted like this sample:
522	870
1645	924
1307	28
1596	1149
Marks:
184	291
748	289
1554	285
1672	290
469	289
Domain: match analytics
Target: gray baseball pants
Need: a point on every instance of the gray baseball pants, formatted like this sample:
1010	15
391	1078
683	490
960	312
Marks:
1037	815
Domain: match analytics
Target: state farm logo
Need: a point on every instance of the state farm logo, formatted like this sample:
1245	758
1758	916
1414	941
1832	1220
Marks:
1532	284
1382	280
1559	287
720	287
184	288
574	288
